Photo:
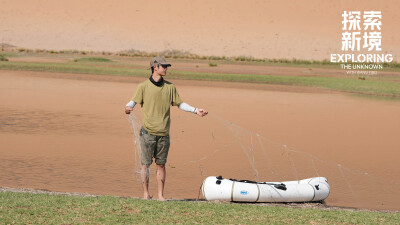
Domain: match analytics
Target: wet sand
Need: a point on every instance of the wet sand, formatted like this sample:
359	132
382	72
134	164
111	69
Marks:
71	135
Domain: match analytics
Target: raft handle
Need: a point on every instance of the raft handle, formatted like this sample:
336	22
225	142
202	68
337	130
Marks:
281	186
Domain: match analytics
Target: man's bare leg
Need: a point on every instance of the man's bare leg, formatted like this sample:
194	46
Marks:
145	175
161	175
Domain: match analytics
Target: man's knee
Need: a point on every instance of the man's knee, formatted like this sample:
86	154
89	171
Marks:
145	166
161	166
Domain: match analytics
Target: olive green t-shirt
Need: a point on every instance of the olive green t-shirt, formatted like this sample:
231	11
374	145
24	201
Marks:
156	102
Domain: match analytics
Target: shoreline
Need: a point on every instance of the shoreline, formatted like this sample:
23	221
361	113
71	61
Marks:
307	205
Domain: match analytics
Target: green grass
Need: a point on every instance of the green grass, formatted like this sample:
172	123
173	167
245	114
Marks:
177	54
370	86
185	56
10	54
24	208
352	85
92	59
72	68
3	58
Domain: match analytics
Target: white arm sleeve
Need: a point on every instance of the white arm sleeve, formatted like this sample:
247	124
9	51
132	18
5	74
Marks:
131	104
187	108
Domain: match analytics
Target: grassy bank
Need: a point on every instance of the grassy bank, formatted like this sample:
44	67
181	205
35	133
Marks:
26	208
370	86
178	54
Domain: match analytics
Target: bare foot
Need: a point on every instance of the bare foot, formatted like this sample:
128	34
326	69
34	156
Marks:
162	199
147	197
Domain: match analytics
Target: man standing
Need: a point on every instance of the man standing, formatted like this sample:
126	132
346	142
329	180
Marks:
156	95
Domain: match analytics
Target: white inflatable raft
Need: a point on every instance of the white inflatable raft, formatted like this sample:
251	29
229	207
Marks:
307	190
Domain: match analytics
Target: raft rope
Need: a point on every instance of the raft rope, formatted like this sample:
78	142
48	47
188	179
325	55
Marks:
280	186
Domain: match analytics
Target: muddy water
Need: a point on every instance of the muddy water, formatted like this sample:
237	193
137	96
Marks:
72	135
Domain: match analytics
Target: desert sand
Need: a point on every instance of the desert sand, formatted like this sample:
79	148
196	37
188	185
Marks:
273	29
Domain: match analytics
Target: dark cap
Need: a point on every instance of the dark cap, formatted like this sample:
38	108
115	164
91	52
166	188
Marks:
158	60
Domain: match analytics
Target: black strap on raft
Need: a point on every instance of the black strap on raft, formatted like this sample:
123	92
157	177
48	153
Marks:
219	178
280	186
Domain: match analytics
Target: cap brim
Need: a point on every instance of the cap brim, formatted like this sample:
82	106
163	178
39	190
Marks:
165	64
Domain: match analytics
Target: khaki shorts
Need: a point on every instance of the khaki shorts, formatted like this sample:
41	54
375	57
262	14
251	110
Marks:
153	146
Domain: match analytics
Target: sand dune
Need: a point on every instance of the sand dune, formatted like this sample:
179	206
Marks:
273	29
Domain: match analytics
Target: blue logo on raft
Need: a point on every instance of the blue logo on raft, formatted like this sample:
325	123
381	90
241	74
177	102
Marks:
244	192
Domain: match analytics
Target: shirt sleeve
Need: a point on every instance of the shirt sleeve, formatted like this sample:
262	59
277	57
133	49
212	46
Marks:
138	96
176	99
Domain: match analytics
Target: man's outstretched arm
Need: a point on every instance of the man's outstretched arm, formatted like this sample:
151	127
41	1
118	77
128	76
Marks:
188	108
129	107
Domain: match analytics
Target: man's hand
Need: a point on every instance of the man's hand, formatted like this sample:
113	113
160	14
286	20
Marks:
201	112
128	110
